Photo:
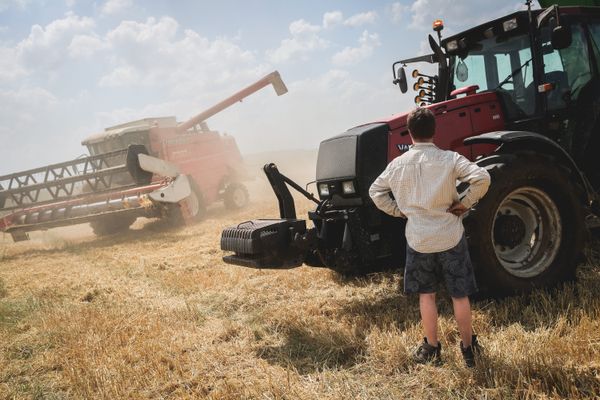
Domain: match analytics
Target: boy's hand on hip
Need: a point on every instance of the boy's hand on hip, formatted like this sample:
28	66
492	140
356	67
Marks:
457	208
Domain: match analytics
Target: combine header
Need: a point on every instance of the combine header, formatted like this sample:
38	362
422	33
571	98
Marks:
153	167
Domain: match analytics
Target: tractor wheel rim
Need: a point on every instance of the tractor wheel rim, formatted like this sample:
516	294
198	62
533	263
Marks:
526	232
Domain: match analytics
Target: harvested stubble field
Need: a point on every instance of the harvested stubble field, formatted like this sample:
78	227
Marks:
155	313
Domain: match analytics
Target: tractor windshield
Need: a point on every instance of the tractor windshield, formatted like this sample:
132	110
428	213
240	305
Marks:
502	64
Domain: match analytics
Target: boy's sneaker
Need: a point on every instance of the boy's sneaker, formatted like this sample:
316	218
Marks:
470	352
427	353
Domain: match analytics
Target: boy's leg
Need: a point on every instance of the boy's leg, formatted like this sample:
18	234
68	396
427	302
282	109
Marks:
429	316
462	313
420	277
460	280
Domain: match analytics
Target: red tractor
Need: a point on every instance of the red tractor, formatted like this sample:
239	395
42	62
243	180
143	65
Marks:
154	167
520	96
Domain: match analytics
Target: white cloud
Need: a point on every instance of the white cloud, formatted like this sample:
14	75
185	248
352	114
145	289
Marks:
151	53
37	125
122	76
45	47
397	11
22	107
70	3
424	48
85	46
361	19
331	19
10	68
6	4
156	54
458	14
352	55
115	6
304	40
301	27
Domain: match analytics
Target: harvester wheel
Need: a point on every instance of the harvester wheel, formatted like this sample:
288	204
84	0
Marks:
195	203
2	198
528	230
112	224
235	196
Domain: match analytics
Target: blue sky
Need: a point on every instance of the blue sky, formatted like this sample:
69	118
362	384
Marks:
70	68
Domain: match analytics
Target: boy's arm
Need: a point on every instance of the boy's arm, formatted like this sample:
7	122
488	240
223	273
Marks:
380	192
477	177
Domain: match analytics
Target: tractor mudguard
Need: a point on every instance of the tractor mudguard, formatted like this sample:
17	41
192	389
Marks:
519	141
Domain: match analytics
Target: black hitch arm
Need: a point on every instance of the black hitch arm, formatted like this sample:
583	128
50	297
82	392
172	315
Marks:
287	208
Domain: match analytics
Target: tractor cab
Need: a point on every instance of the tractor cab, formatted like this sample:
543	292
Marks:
518	96
542	65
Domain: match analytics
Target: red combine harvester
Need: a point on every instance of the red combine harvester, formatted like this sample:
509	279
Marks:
154	167
520	96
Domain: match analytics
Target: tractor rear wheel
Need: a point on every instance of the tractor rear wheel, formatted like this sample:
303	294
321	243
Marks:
235	196
111	224
528	230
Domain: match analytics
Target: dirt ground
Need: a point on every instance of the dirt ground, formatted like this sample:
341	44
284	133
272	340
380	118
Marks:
155	313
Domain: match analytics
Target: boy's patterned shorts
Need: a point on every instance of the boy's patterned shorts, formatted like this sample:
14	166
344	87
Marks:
424	271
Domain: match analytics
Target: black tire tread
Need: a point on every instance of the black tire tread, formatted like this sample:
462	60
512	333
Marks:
539	171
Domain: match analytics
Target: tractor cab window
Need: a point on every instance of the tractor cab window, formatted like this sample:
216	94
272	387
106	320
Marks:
568	70
502	64
470	71
595	37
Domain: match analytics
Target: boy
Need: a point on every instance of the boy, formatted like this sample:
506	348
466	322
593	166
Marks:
423	184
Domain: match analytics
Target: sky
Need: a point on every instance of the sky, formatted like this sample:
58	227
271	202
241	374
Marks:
70	68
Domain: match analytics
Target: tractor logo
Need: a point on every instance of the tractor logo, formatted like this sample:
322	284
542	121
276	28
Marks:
403	147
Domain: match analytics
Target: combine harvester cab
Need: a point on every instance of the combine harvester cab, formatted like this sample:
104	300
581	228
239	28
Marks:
154	167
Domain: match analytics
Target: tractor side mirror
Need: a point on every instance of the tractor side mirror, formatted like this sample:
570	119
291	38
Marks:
561	37
402	80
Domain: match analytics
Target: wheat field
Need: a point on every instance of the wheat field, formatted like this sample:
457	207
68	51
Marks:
154	313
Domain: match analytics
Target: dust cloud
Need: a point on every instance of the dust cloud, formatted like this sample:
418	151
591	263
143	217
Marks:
298	165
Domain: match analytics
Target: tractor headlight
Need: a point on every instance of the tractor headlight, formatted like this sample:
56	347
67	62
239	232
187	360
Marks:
323	190
348	187
510	25
452	45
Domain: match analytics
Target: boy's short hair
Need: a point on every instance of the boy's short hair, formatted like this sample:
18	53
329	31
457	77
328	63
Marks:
421	123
